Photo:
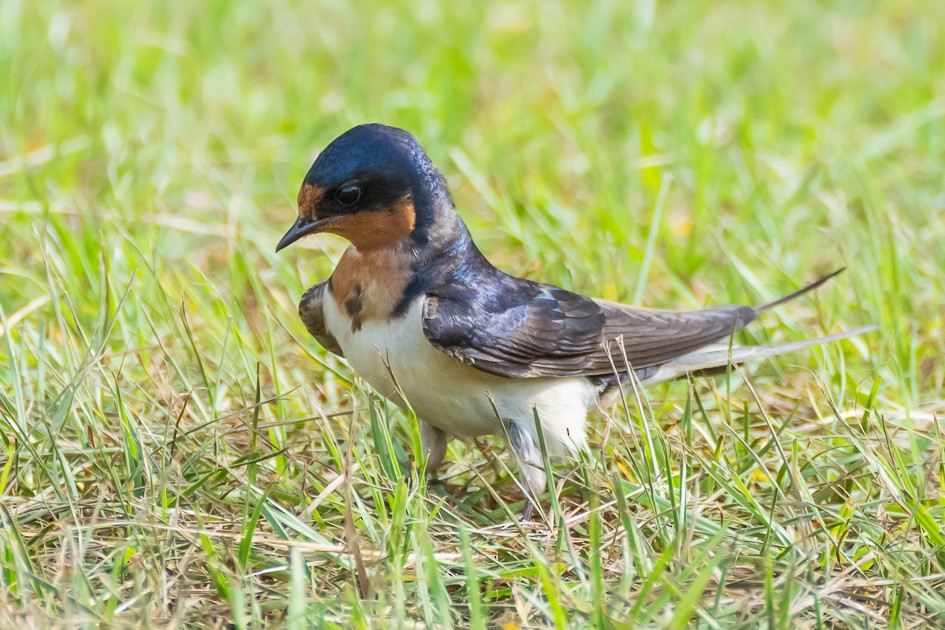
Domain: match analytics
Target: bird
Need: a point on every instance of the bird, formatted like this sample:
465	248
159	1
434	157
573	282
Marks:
417	311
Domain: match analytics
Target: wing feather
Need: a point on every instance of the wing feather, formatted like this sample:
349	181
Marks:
313	316
653	337
517	328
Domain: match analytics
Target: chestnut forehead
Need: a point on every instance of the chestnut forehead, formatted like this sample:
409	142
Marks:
309	196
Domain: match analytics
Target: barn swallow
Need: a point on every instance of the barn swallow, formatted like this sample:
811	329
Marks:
418	312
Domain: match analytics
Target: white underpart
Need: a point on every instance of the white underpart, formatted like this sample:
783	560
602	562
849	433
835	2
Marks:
452	395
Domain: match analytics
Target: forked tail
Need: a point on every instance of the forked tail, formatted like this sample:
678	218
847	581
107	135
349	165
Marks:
810	287
720	355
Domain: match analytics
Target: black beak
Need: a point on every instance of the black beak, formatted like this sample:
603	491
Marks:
302	227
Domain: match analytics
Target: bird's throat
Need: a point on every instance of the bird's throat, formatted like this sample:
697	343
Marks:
369	285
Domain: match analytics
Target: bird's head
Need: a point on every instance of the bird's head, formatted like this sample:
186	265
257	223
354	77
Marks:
374	186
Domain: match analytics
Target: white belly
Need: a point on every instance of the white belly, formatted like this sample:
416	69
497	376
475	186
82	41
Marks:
450	394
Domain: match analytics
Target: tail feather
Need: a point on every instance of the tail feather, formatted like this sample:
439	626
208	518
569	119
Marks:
720	356
810	287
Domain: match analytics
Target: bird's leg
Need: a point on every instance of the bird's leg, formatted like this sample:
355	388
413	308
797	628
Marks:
528	457
528	514
434	442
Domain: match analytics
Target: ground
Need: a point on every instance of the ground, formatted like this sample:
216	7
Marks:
176	449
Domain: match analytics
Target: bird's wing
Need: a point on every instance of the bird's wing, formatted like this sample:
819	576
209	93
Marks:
313	316
653	337
515	327
518	328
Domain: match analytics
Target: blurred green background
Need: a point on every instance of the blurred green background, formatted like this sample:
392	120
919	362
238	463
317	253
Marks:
153	373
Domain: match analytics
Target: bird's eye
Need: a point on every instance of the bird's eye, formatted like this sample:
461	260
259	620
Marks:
348	194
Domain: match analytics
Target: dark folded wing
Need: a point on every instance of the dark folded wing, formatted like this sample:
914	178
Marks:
518	328
652	337
313	316
515	328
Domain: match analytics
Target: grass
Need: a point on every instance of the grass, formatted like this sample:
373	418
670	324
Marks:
174	448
